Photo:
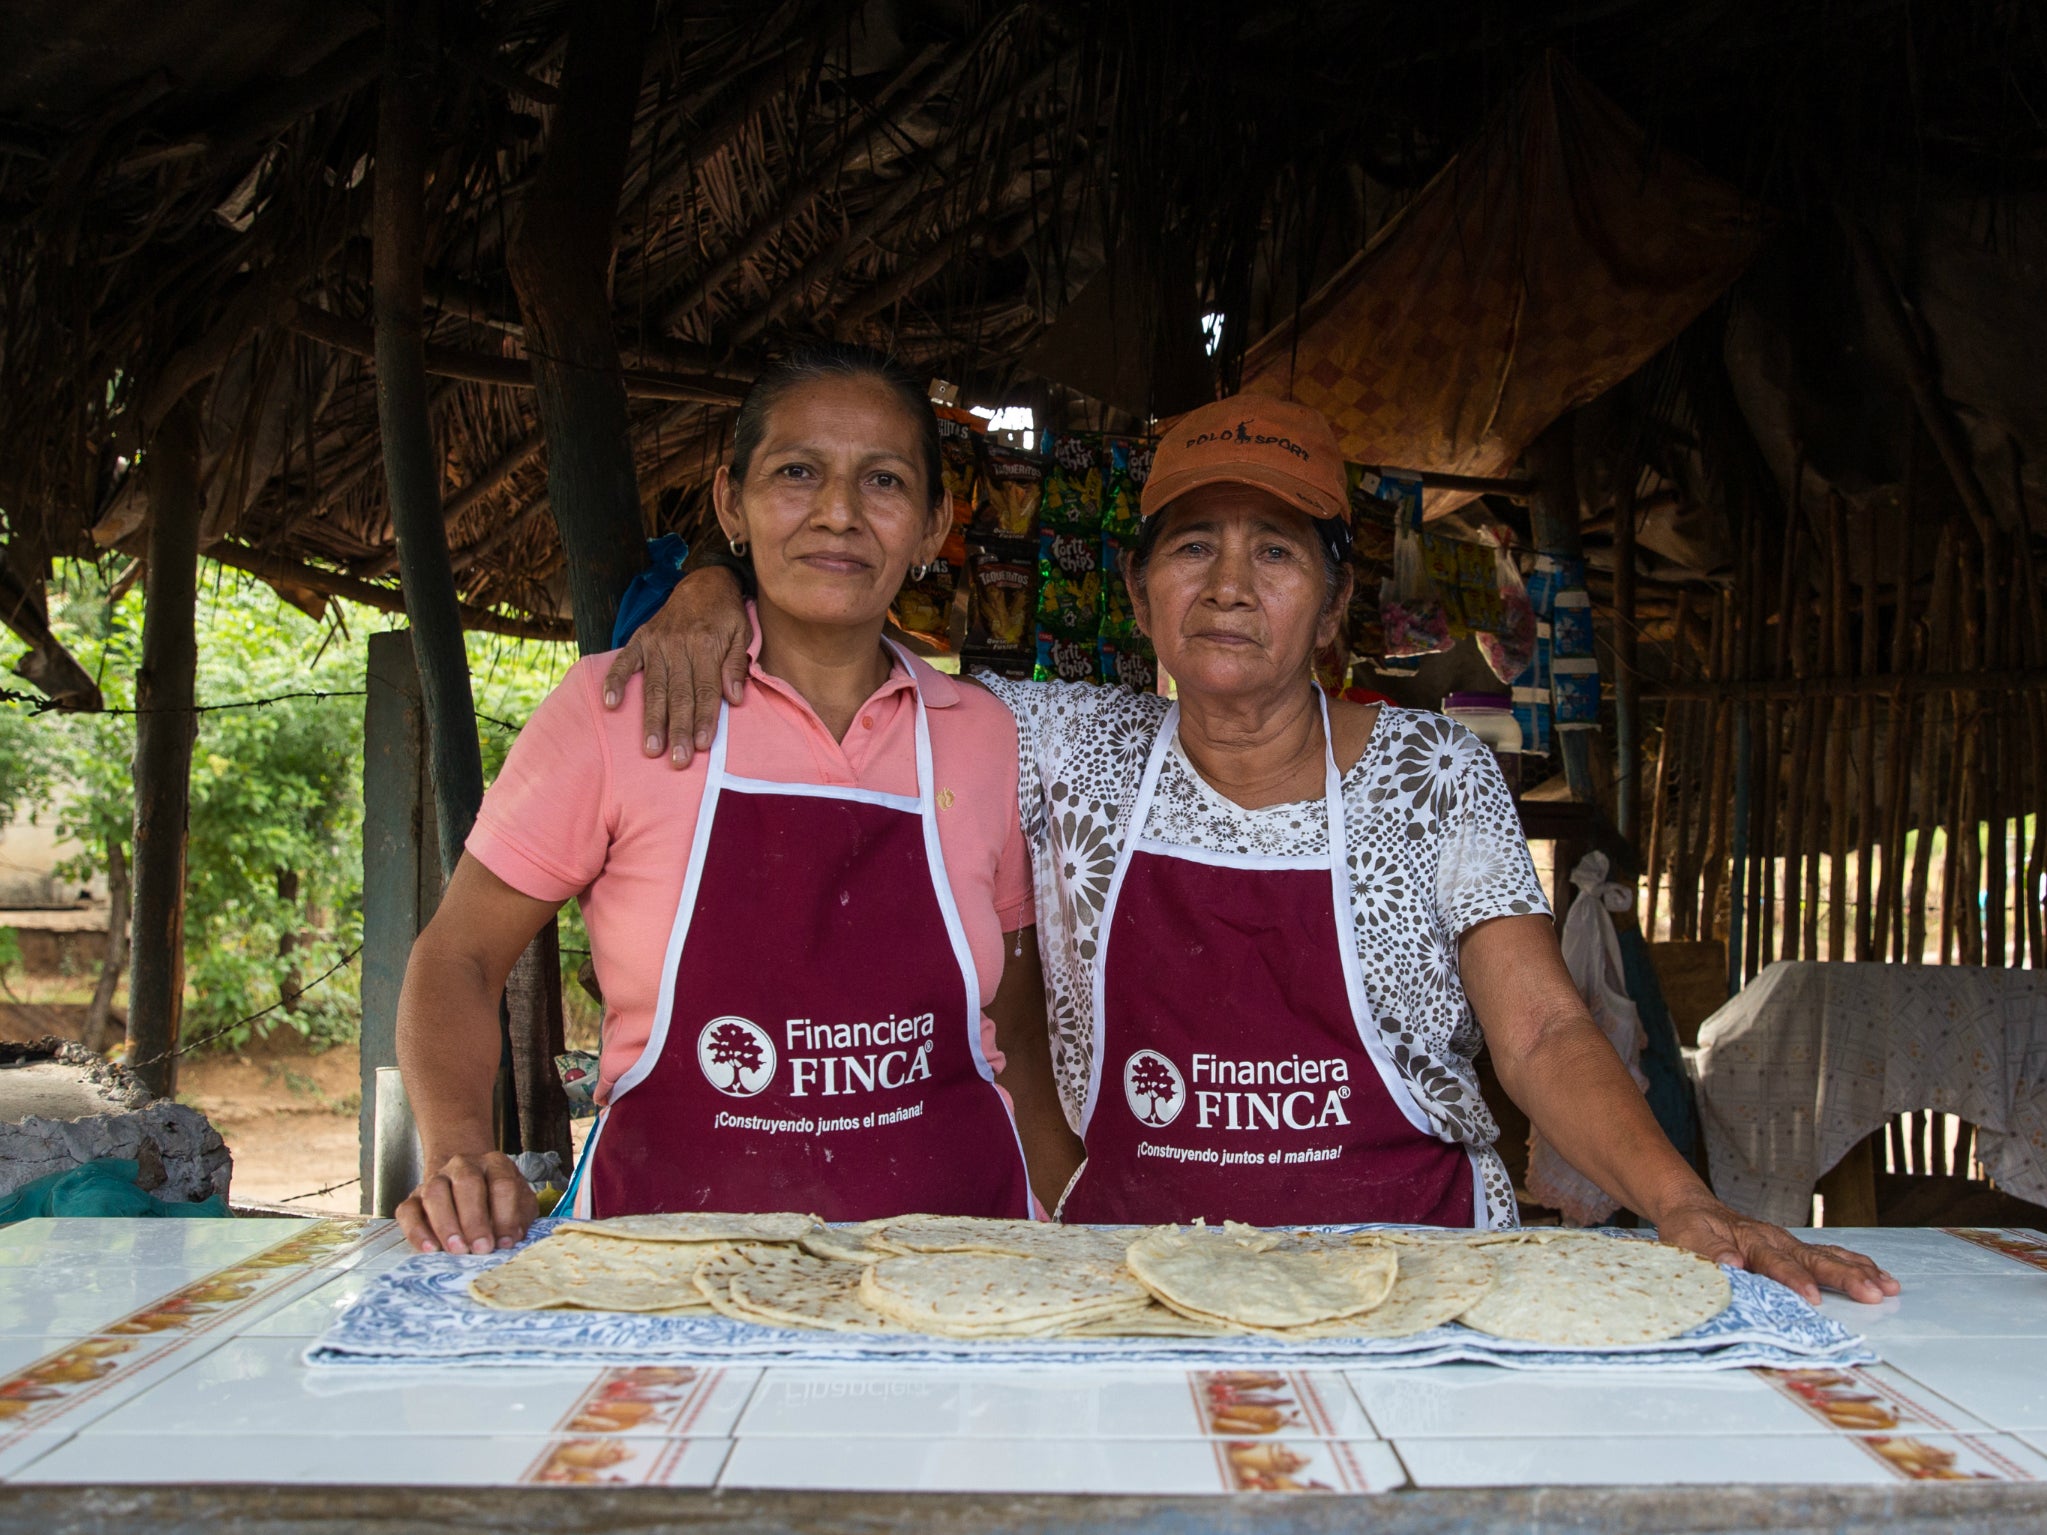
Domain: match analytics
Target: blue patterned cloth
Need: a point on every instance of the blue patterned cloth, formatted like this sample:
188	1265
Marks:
420	1313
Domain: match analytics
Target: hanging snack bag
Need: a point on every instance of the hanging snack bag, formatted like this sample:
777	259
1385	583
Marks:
1064	659
959	469
1073	484
1070	584
1509	649
999	603
1119	617
1478	586
1130	663
1129	468
1012	485
924	606
1410	610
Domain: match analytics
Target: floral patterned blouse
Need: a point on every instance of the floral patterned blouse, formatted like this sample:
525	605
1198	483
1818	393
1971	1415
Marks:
1435	848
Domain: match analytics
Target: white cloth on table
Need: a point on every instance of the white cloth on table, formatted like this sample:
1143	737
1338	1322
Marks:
1592	953
1812	1057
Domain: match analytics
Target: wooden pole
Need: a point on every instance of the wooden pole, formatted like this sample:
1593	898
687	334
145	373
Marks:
164	729
1990	809
1838	715
1865	799
412	466
1933	648
1713	861
560	260
560	263
2035	803
1627	680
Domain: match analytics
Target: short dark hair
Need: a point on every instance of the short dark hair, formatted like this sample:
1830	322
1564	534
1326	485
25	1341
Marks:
809	362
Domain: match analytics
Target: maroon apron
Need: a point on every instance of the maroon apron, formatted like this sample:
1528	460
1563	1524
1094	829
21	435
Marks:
1246	1077
817	1043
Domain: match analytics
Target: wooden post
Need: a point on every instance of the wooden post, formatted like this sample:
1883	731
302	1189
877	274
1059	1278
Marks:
411	464
164	728
560	264
1626	682
401	861
559	261
412	467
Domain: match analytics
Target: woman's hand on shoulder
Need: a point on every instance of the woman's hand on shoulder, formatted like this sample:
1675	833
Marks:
1712	1230
693	653
470	1205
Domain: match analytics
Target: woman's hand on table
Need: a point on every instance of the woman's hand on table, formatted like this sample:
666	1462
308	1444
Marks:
1710	1229
694	652
474	1204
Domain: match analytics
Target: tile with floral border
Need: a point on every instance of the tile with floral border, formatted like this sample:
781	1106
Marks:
1053	1404
2002	1382
404	1460
250	1385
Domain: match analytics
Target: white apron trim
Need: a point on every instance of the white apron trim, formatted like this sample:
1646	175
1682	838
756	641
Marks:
923	804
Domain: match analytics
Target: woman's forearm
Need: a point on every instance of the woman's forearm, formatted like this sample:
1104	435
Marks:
1576	1091
448	1034
448	1050
1554	1062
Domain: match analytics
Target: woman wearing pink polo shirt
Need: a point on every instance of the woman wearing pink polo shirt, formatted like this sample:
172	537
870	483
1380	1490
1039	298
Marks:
799	936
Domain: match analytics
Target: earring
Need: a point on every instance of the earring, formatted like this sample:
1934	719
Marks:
919	572
738	547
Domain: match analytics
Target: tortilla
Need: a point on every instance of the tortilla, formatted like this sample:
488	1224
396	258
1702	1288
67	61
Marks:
860	1243
608	1275
784	1287
1439	1279
1018	1238
1260	1280
968	1295
1597	1292
696	1226
1155	1321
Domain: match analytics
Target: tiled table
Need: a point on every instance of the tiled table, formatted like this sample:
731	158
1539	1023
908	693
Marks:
168	1352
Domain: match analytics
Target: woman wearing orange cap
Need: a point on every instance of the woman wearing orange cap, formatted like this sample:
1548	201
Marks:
1268	920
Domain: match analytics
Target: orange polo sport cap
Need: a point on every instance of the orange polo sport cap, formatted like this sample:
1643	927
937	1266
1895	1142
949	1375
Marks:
1251	439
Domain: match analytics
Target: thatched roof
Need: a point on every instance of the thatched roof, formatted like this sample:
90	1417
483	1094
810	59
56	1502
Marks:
184	194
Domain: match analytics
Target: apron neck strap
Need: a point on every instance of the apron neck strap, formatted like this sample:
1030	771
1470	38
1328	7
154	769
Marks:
927	794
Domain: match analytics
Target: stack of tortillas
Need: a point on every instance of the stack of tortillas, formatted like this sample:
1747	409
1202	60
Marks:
1596	1292
957	1277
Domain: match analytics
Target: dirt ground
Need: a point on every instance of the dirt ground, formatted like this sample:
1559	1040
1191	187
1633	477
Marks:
289	1116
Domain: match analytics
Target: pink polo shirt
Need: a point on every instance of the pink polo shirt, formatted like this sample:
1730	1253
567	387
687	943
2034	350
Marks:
579	810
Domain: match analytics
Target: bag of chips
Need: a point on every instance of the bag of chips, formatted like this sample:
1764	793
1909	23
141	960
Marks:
1012	484
1119	616
1073	484
959	470
1130	663
1070	584
1129	468
999	603
1064	659
924	606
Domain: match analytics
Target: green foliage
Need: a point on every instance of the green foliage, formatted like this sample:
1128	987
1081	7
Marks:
274	863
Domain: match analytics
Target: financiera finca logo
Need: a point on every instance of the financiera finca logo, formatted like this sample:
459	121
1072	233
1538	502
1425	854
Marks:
736	1056
1154	1088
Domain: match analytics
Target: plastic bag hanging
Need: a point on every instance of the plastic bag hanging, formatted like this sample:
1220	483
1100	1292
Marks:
1410	609
1592	953
1510	651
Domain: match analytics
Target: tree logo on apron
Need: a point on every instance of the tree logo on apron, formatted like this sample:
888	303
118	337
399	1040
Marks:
1154	1088
736	1056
